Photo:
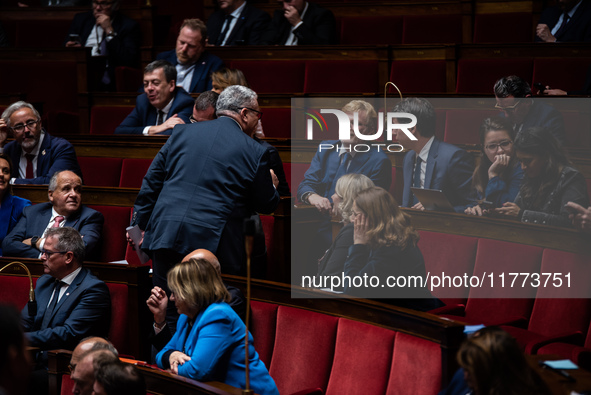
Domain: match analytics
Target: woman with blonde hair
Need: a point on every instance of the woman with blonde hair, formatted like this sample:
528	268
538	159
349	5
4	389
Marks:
226	77
208	344
384	260
346	190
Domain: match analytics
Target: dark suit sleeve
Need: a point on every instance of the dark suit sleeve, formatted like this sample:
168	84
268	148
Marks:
319	29
382	173
312	181
90	311
134	122
91	229
264	198
461	167
13	245
63	157
273	34
124	48
258	28
277	165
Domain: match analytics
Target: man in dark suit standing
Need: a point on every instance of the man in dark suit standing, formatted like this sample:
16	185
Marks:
72	303
203	182
430	163
161	107
237	23
193	63
301	22
35	153
569	21
111	35
65	208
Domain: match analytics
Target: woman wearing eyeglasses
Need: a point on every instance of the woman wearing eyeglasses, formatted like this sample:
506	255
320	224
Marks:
498	176
11	207
549	181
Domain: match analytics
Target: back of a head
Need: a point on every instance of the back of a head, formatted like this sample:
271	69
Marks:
512	86
540	142
207	255
84	346
423	110
234	98
119	378
226	77
348	187
206	100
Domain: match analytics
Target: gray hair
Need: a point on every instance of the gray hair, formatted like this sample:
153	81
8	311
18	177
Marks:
205	100
234	98
53	179
15	107
512	86
68	239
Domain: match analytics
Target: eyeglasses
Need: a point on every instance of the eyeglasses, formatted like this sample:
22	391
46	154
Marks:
102	4
495	146
259	113
193	120
72	367
50	253
30	124
508	108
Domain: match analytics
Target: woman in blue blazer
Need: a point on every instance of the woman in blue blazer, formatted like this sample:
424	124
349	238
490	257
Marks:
11	207
209	342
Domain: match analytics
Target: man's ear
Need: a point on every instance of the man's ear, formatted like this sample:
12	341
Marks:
50	196
69	257
172	85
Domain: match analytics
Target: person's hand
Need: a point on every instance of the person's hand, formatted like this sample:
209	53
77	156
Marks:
544	33
130	241
292	15
499	165
274	178
476	210
73	44
104	21
321	203
157	303
554	92
509	209
580	216
419	206
360	227
177	358
168	124
3	132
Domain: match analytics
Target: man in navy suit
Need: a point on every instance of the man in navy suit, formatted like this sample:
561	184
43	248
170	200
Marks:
65	208
301	22
161	107
203	182
430	163
35	153
569	21
237	23
193	63
111	35
72	303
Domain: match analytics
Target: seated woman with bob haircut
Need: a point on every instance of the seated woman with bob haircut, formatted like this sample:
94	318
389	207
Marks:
208	344
550	181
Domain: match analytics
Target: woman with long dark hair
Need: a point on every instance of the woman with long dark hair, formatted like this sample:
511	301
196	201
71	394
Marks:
550	181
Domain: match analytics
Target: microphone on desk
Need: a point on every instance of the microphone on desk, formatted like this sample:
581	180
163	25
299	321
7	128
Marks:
32	304
249	227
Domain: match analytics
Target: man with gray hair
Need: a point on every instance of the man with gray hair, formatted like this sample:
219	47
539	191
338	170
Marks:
35	154
64	208
162	106
203	182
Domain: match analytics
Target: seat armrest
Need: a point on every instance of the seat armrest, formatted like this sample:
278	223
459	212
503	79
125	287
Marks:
576	338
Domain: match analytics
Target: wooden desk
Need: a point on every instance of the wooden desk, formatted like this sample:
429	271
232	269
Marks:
558	384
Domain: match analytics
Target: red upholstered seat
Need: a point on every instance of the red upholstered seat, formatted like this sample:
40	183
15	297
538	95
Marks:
273	76
105	119
118	333
463	126
419	29
133	171
14	290
418	76
346	76
570	76
297	364
67	385
479	75
295	172
509	27
128	79
362	359
113	240
277	122
263	327
62	122
416	366
372	30
100	172
452	254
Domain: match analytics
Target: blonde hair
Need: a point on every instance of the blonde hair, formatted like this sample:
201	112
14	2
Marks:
361	105
227	77
197	283
388	225
348	187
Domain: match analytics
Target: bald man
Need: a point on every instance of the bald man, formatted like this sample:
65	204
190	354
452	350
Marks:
82	362
84	346
158	301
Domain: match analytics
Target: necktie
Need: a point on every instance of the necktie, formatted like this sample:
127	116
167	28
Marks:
417	178
562	28
222	36
160	118
343	167
58	219
104	52
29	170
49	312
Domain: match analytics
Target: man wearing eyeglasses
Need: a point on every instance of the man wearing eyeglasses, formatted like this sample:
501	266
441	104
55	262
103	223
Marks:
110	34
72	303
514	99
163	105
34	152
64	209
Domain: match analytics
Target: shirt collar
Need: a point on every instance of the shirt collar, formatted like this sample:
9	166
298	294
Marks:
424	154
69	279
306	9
574	9
55	214
166	109
238	11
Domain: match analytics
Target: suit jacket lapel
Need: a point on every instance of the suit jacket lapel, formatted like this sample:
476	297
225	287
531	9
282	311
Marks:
197	72
431	161
238	25
69	291
44	154
73	220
